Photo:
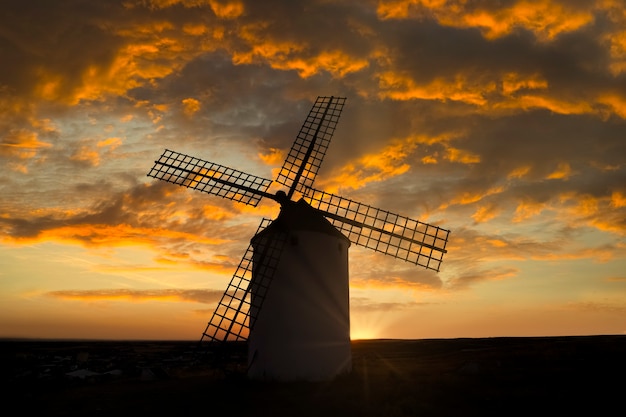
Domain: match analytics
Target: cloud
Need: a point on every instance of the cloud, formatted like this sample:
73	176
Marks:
468	278
598	307
474	250
190	106
86	156
545	19
484	213
109	143
24	138
21	144
203	296
367	305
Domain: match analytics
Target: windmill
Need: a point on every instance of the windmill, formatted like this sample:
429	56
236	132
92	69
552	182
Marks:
289	298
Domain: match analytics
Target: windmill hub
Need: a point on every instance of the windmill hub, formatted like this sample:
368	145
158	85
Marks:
281	197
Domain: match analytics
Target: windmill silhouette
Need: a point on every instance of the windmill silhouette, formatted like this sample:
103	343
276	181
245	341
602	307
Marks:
289	296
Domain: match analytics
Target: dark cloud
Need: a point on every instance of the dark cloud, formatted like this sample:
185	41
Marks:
58	38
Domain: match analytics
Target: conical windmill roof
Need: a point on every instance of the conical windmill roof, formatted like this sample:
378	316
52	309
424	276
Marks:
301	216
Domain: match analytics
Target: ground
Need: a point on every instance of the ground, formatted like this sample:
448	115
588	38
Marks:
444	377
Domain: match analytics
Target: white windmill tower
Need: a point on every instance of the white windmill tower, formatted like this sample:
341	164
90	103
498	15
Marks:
289	296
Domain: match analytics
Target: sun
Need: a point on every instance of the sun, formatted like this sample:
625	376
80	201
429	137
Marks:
364	331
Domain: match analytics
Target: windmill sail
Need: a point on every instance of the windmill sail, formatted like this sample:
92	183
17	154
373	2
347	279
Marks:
188	171
237	310
398	236
307	152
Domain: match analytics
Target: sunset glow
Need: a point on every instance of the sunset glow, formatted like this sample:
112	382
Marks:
504	122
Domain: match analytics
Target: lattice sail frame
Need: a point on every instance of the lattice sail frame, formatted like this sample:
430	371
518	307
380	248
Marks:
238	310
307	152
398	236
188	171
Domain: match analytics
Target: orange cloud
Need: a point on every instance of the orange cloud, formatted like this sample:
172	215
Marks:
485	213
273	157
546	19
216	213
553	104
613	224
469	197
190	106
229	9
110	143
400	9
510	91
429	159
391	161
584	205
224	9
86	156
337	63
261	47
618	199
615	103
384	164
22	144
563	172
266	208
195	29
398	86
526	210
603	213
514	82
90	154
150	50
519	172
462	156
616	40
618	53
282	55
497	243
111	235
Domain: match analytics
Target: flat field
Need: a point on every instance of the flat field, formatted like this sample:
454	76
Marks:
551	376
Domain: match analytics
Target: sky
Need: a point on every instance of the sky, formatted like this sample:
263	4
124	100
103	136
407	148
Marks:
503	122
